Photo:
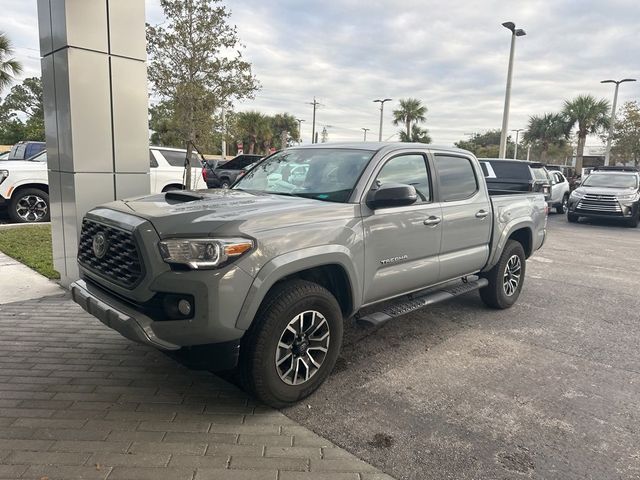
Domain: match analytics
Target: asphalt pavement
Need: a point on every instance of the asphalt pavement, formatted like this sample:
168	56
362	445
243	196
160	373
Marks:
549	389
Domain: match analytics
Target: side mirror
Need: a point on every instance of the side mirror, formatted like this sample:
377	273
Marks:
392	195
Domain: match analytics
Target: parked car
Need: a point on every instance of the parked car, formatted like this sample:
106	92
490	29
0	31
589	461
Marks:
223	176
24	185
26	150
607	192
560	191
262	276
516	175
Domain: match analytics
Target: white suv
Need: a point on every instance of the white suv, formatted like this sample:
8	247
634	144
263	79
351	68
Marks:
24	184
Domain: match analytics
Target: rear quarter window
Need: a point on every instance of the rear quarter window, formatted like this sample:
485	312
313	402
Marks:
510	169
456	177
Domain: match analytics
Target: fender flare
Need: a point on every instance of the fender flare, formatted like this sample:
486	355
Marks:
293	262
507	231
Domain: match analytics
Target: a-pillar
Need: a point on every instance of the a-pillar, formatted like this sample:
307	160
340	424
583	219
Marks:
95	102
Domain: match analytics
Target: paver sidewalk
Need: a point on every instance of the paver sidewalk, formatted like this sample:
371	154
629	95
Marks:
79	401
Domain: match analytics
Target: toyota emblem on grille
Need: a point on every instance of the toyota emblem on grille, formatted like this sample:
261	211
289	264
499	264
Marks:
100	245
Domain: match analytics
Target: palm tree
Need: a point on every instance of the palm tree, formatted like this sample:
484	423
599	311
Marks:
253	127
418	135
411	111
546	130
9	67
590	115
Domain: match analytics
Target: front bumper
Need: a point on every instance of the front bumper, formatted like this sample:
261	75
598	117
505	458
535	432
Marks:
626	210
117	315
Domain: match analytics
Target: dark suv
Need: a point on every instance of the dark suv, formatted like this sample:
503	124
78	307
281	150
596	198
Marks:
516	175
608	192
225	175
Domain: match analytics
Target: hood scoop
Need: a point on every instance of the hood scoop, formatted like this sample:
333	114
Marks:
182	196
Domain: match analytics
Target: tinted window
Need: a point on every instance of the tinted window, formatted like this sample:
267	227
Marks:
409	170
240	162
510	169
175	159
456	178
153	163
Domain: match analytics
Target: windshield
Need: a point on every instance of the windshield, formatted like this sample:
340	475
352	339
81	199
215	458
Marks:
611	181
328	174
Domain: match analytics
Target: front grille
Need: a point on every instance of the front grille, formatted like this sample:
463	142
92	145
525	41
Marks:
120	264
600	204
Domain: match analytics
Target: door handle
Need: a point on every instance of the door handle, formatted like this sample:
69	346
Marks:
482	214
432	221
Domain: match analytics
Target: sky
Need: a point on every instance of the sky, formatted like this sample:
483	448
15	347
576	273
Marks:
451	55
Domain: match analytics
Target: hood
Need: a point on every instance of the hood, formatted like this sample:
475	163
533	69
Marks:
204	212
605	190
22	165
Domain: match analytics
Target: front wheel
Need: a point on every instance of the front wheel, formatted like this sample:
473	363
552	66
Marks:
293	343
572	218
29	205
505	278
633	221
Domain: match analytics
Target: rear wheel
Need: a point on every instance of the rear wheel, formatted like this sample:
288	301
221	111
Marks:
29	205
293	343
505	278
564	206
572	218
225	183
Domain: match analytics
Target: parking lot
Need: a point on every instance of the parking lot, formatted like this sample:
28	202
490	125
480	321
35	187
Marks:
549	389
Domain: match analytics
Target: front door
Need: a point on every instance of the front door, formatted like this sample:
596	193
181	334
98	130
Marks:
402	244
466	216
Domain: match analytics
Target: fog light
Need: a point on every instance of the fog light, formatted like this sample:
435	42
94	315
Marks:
184	307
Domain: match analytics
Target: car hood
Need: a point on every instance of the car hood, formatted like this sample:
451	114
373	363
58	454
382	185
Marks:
605	190
22	165
204	212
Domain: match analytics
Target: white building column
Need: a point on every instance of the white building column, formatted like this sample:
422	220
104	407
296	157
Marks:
95	101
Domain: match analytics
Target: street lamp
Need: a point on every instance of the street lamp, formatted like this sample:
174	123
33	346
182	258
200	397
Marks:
515	32
365	130
381	111
300	120
613	114
515	153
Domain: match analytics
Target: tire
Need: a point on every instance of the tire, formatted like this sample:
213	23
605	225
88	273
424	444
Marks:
225	183
572	218
564	206
30	205
498	294
633	221
260	350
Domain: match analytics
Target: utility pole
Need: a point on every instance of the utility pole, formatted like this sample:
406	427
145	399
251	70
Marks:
381	102
224	133
365	133
315	104
300	120
515	153
515	32
607	154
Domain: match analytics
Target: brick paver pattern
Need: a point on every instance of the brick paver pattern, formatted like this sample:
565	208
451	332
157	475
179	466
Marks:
79	401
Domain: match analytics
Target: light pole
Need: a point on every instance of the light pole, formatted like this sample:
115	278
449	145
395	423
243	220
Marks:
613	114
365	130
315	104
517	130
515	32
300	120
381	102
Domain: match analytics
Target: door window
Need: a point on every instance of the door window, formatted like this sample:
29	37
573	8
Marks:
408	170
457	178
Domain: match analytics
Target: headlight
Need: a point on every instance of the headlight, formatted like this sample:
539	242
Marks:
577	194
204	253
628	197
3	175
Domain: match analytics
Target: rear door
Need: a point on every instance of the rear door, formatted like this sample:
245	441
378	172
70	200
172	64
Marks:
402	243
466	216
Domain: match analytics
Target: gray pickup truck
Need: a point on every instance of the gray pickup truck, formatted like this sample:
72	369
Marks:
262	276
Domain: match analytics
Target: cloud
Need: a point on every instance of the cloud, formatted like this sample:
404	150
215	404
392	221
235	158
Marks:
451	55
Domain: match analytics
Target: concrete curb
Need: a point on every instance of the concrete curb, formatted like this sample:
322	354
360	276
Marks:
18	282
9	226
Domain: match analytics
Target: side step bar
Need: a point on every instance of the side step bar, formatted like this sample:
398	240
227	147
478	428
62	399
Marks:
418	301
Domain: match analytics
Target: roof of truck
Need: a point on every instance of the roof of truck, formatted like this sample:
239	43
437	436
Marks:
376	146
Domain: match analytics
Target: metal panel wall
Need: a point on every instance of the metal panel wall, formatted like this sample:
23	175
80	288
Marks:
95	100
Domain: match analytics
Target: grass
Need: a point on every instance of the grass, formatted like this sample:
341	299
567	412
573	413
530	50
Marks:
30	245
